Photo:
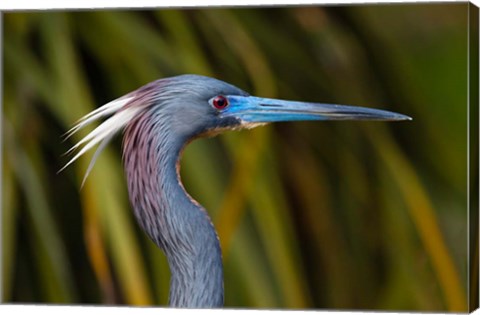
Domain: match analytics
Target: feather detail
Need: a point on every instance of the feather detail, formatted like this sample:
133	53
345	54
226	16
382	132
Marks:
105	110
99	150
121	116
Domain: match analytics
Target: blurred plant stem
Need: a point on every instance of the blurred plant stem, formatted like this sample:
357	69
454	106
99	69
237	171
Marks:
423	216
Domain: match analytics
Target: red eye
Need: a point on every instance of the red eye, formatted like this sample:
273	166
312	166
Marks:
220	102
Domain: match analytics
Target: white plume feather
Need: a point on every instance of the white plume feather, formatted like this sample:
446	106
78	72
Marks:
105	131
100	112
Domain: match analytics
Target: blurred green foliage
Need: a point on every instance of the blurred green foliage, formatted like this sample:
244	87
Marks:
340	215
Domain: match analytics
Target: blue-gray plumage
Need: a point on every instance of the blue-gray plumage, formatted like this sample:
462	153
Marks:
159	119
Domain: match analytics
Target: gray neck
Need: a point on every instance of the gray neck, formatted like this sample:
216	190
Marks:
170	217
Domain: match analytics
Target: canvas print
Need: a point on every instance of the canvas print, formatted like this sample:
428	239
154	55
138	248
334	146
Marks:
302	157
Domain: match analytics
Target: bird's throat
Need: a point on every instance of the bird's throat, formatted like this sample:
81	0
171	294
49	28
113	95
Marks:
170	217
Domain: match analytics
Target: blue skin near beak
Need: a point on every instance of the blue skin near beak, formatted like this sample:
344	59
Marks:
251	109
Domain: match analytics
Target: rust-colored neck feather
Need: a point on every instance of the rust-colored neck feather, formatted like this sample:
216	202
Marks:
170	217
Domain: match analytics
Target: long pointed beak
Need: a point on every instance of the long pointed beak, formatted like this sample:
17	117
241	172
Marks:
251	109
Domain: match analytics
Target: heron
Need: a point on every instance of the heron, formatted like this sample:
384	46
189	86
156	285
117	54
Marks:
158	120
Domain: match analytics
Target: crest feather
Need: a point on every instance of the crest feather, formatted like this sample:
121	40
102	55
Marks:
121	116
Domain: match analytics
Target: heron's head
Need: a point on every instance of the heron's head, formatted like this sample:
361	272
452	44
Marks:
190	106
198	105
